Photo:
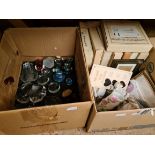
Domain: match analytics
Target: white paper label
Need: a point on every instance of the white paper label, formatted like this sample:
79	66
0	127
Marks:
72	108
125	32
123	114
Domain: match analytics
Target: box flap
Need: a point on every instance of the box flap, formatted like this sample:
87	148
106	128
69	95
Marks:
4	60
44	41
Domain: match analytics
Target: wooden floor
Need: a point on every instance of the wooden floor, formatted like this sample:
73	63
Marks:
80	131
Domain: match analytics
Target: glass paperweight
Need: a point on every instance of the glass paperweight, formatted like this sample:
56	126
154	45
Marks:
53	87
22	95
37	93
66	93
43	80
45	71
39	65
23	99
59	76
56	69
48	62
69	81
28	72
58	62
68	66
69	60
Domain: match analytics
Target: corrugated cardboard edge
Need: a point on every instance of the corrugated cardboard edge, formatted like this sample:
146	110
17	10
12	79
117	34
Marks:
86	67
115	120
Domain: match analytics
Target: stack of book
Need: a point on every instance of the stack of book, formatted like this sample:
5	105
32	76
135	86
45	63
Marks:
125	40
92	42
109	40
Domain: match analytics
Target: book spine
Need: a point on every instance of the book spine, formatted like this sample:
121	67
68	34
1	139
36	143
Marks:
106	58
126	55
134	55
143	55
98	57
111	59
87	47
97	45
115	55
118	55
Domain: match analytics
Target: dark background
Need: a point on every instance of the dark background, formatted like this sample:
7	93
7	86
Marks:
10	23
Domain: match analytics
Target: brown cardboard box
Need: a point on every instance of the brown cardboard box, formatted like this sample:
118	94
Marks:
126	119
19	44
116	120
125	36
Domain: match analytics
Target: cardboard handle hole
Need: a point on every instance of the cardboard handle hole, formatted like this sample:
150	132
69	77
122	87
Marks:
17	52
9	80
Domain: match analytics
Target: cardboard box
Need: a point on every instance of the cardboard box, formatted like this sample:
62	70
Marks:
20	44
117	120
125	119
125	36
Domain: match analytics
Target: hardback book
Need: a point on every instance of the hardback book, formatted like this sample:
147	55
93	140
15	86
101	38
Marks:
132	55
87	47
121	36
107	56
115	55
126	55
143	55
118	55
97	45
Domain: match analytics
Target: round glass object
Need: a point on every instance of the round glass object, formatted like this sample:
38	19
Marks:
22	95
48	62
28	73
68	65
56	69
37	93
54	87
43	80
59	76
69	81
39	65
66	93
58	62
45	71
